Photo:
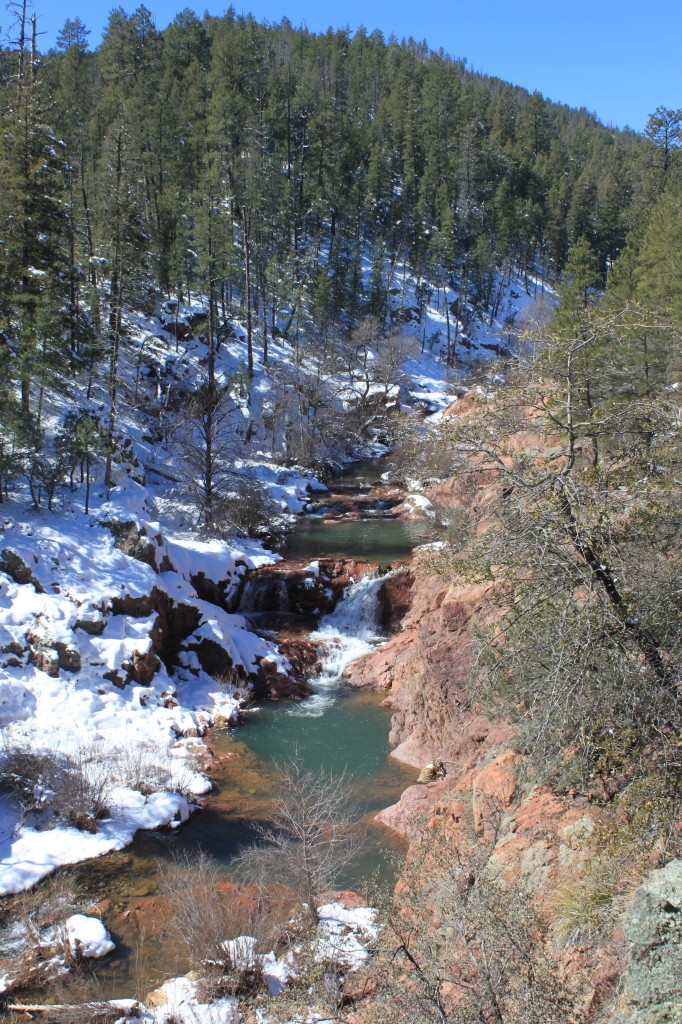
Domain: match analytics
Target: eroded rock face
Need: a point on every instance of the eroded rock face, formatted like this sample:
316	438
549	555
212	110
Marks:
652	981
395	596
424	667
493	790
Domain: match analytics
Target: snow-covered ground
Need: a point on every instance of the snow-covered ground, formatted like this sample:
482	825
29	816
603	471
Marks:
79	677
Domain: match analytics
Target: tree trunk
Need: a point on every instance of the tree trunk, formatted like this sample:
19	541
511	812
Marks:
246	224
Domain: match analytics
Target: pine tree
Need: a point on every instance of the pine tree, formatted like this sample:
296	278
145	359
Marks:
33	256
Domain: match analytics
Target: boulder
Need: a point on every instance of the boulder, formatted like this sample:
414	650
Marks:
652	981
132	541
68	655
91	620
16	568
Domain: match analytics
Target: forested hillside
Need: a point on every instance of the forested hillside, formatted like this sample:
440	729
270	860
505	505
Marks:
284	176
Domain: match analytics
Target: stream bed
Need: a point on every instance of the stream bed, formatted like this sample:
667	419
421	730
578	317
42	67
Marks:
338	729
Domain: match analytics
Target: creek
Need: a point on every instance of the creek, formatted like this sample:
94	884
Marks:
337	729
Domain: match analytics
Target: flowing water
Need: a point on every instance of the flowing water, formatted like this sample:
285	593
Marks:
337	729
333	529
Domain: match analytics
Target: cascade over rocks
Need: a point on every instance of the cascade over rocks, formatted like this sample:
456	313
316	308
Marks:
294	588
290	598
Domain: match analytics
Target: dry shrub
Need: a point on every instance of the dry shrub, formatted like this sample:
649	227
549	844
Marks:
31	972
81	796
32	919
75	787
26	773
248	508
44	906
638	832
143	767
205	912
231	683
581	907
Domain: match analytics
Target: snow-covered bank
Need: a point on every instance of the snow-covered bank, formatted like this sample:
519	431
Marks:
81	680
29	854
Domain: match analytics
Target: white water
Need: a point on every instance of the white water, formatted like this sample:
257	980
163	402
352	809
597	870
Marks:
347	633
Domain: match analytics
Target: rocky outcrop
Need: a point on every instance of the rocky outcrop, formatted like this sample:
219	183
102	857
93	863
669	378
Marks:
651	991
274	684
395	597
50	655
132	541
424	668
16	569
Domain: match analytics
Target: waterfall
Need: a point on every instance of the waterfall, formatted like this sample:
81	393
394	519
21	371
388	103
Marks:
351	630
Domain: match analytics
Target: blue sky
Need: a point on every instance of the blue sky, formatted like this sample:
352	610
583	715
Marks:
618	59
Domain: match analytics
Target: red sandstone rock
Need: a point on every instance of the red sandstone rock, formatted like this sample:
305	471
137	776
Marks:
143	667
493	790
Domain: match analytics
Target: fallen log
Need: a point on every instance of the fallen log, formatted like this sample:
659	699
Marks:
92	1013
166	474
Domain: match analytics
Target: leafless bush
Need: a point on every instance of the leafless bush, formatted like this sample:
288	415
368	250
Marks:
206	914
315	990
232	684
420	456
43	907
27	774
143	767
37	953
75	787
83	788
246	506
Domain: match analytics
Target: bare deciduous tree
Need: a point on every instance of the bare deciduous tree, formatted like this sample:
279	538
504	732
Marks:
311	837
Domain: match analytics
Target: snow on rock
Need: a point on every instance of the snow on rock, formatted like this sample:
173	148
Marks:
417	503
215	559
87	936
277	972
241	952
